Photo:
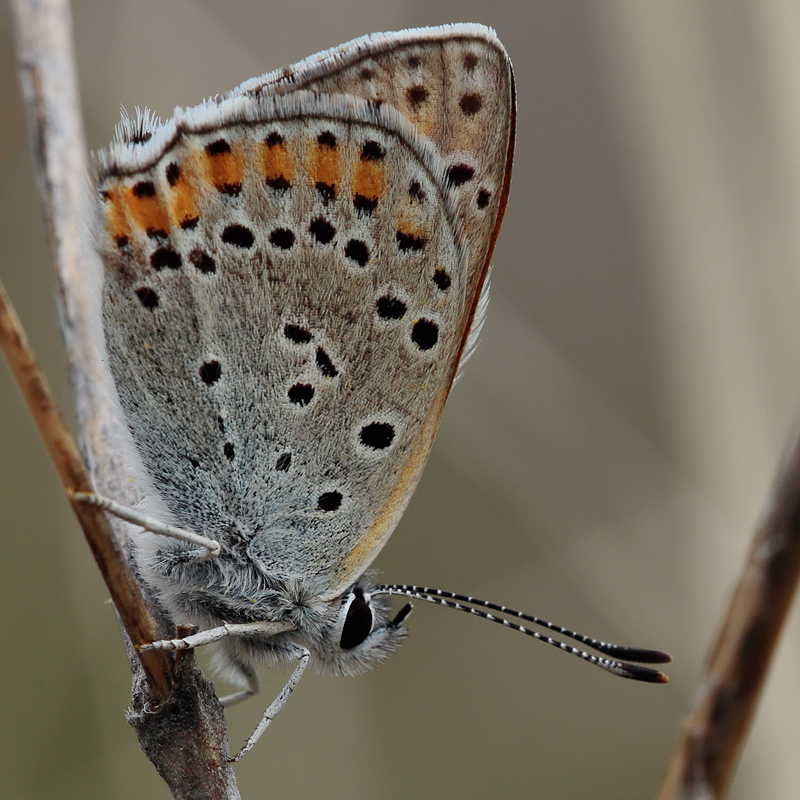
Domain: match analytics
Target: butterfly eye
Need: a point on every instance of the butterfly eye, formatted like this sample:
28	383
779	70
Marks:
357	624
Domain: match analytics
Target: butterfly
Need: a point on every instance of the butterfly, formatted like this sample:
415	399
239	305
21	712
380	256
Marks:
294	273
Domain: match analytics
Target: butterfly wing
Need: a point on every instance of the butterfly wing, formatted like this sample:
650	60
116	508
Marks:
455	84
290	278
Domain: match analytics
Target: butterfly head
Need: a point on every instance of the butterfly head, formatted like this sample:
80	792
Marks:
360	634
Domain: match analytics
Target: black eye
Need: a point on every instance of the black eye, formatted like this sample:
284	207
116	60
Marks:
357	624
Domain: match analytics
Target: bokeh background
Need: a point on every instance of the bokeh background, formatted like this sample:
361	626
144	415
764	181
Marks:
602	462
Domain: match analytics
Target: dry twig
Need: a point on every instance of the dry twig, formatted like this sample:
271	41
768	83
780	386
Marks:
715	728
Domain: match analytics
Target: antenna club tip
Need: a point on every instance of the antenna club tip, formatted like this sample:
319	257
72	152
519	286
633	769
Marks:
647	656
643	674
652	676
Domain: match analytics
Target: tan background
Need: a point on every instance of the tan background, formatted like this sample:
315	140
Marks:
601	463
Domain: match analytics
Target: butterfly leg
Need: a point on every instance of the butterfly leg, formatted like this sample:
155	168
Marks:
211	546
211	635
292	651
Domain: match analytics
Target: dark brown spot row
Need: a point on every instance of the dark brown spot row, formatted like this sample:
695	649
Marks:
147	297
366	205
408	241
282	238
414	62
470	62
218	147
156	233
459	174
274	139
483	198
165	257
416	192
173	173
372	151
377	435
190	224
441	279
366	74
327	191
238	235
121	242
144	189
284	462
203	261
416	95
296	334
327	139
229	452
389	307
322	230
470	103
425	334
279	183
210	372
329	501
221	424
301	394
357	251
231	189
325	364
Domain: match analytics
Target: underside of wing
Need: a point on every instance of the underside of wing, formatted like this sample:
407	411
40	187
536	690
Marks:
285	293
292	275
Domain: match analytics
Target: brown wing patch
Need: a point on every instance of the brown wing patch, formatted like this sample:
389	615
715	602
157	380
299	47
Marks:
359	557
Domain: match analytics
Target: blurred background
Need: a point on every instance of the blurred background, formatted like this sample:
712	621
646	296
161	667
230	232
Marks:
602	463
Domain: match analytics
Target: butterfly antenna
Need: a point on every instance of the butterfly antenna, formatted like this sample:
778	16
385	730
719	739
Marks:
615	665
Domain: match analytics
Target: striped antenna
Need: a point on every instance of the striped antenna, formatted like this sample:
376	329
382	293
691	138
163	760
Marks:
614	665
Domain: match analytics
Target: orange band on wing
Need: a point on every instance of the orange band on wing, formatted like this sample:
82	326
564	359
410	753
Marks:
182	203
368	180
116	218
324	165
277	163
147	209
223	167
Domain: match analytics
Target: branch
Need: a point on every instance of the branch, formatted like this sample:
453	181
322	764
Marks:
714	729
179	721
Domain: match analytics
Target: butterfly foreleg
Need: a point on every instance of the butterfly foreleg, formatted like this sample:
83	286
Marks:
211	635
